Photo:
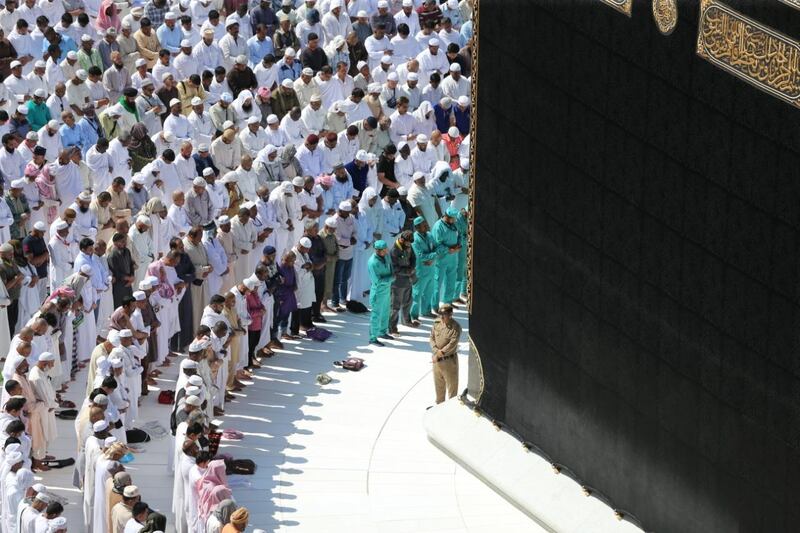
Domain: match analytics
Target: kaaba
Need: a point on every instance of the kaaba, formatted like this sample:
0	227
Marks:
635	267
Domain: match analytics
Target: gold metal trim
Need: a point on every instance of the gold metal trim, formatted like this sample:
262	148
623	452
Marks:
758	54
793	3
665	13
623	6
473	138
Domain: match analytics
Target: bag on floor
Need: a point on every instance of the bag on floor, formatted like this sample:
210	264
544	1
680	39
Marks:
166	397
242	467
67	414
318	334
232	434
60	463
351	363
356	307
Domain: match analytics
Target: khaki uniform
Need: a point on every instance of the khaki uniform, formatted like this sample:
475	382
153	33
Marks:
444	345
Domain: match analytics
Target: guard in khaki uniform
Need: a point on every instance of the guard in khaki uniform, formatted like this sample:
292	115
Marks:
445	335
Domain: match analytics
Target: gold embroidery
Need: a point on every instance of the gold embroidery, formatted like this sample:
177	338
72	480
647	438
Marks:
623	6
750	50
665	13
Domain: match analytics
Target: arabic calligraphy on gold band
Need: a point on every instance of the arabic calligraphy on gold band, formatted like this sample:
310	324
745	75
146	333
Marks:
623	6
665	13
755	53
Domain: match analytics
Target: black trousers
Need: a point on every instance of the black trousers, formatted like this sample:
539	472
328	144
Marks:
252	341
13	314
319	291
401	306
301	317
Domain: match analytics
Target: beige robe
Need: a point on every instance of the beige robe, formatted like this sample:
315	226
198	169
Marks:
46	397
35	414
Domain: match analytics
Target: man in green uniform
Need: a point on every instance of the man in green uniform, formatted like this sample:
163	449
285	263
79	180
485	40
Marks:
425	250
462	223
380	273
448	243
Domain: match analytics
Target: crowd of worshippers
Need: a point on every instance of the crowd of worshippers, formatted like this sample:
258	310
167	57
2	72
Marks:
204	179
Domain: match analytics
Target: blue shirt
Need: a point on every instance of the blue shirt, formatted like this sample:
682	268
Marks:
442	117
70	136
466	31
67	44
359	175
170	38
291	72
88	133
256	50
462	119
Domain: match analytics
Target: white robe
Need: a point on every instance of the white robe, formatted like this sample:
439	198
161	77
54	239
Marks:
43	389
100	519
92	453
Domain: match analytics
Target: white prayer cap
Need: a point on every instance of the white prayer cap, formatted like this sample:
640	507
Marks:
374	88
383	4
53	124
85	196
452	4
22	109
165	75
139	296
144	285
189	364
241	59
298	181
408	3
125	333
305	242
208	31
40	93
418	176
464	163
290	52
393	76
315	98
463	100
361	64
455	67
386	60
6	248
421	139
100	399
199	182
197	100
40	226
58	523
43	497
138	178
253	120
287	83
39	487
453	132
345	205
230	177
197	346
32	136
252	282
224	219
185	43
433	42
413	76
100	425
116	362
202	147
126	24
141	62
362	155
270	149
143	219
174	101
150	280
231	19
109	440
208	172
228	124
47	356
147	82
18	183
81	74
170	16
114	111
86	269
361	14
307	72
402	191
193	400
272	119
131	491
249	205
15	64
73	56
61	225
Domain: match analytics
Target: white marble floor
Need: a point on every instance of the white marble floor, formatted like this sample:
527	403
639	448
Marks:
351	456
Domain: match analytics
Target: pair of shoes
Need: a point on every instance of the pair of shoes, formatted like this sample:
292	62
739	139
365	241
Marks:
229	397
414	324
275	344
394	332
219	412
376	342
387	336
320	319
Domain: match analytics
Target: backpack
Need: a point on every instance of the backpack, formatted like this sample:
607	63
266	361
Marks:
356	307
166	397
242	467
318	334
351	363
